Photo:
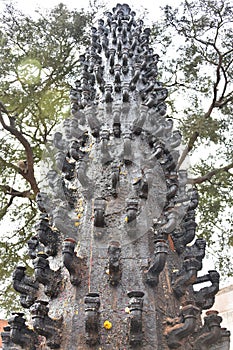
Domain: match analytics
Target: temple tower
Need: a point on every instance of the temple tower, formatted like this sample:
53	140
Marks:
114	251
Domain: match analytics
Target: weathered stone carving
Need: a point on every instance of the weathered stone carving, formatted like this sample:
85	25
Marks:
48	237
157	263
114	265
44	274
197	250
136	308
186	233
45	325
114	185
71	261
186	277
92	304
33	247
210	332
7	344
25	285
178	329
20	334
132	210
99	210
205	296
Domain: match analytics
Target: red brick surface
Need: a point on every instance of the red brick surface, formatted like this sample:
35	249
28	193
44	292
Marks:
3	323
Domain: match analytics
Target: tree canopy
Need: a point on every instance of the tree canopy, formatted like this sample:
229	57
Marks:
39	60
195	42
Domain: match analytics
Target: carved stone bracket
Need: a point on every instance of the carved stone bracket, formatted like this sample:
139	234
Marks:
26	286
20	334
48	237
49	278
172	184
158	262
127	156
197	250
132	210
7	344
187	276
177	332
71	261
45	325
205	297
135	307
33	247
92	304
210	332
115	178
186	233
114	252
99	212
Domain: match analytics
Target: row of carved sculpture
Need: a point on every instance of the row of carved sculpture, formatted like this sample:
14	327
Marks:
175	331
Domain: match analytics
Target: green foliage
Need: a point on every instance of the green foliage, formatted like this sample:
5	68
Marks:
196	40
39	58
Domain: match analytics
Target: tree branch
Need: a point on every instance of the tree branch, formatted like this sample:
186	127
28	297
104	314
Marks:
215	87
29	176
3	211
15	193
188	148
209	175
213	104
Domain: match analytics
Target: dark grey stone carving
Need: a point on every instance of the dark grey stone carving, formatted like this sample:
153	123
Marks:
113	185
205	296
20	334
45	325
71	261
33	247
44	274
92	304
197	250
114	265
186	277
136	308
131	209
178	329
210	332
157	263
6	339
186	232
48	237
25	285
99	210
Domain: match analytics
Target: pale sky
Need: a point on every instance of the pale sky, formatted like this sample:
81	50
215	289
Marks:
153	6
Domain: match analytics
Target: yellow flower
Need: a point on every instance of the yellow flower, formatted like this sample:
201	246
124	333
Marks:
126	219
107	324
31	327
127	310
76	224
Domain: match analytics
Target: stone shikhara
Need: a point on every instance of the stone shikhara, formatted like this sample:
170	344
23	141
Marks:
114	244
